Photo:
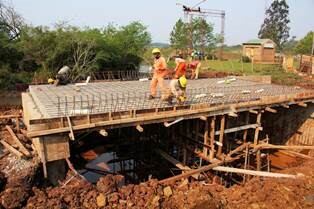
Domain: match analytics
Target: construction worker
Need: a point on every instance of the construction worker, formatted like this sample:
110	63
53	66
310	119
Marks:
177	90
62	78
51	81
195	66
160	71
181	65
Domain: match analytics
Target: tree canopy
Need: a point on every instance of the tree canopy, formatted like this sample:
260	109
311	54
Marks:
203	38
29	51
275	26
304	46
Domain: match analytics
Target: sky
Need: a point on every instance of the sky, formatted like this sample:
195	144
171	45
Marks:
243	17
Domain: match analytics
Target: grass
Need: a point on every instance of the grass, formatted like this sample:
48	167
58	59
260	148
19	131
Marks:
278	75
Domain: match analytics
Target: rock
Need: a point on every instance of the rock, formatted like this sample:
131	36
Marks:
309	199
254	206
101	200
114	197
184	183
155	201
167	191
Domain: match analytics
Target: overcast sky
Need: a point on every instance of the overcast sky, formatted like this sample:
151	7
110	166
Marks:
243	17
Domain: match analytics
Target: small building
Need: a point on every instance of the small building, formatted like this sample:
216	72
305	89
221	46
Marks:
260	50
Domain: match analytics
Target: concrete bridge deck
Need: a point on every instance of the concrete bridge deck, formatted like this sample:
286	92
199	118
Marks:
47	107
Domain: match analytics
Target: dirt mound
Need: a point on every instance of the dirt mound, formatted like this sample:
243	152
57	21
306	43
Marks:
275	193
214	74
108	193
77	194
18	189
110	183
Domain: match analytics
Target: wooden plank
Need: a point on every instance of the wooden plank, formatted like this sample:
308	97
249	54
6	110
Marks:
190	173
236	129
175	162
221	134
10	116
56	148
196	171
296	154
254	173
11	149
161	117
206	141
247	120
268	109
283	147
258	121
18	142
72	137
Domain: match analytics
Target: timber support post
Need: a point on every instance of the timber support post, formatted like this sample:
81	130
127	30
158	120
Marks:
221	135
212	138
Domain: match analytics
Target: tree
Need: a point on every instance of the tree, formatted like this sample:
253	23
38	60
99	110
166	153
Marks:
10	21
203	38
179	35
275	26
304	46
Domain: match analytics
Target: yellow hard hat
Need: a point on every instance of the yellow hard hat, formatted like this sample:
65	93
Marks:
156	50
51	81
183	81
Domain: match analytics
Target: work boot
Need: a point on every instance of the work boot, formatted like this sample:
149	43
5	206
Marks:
151	97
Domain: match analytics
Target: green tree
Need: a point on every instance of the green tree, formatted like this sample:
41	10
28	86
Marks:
304	46
203	38
179	35
275	26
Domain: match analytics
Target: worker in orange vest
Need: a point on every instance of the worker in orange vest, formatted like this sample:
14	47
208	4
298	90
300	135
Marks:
160	71
181	66
195	66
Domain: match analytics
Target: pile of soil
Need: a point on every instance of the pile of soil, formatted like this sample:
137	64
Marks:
17	189
273	193
215	74
109	193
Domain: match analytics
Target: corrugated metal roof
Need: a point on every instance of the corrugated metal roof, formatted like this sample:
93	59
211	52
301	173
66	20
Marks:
258	41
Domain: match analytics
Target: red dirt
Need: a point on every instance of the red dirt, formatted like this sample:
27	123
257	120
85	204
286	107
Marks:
275	193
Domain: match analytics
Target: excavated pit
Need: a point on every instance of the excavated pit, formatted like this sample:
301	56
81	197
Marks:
136	155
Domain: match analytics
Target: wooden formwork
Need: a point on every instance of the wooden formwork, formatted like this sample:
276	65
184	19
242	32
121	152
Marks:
51	135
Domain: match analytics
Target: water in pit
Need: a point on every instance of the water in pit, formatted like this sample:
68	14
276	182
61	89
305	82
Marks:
135	160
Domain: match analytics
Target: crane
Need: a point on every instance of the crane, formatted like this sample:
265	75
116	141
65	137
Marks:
196	10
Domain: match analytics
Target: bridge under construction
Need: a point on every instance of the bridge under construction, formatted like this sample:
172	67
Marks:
221	117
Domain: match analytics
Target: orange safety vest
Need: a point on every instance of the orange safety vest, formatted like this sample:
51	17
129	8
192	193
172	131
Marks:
160	66
181	69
